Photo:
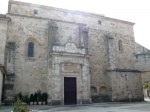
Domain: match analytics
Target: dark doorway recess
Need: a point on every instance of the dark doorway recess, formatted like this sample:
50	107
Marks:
70	90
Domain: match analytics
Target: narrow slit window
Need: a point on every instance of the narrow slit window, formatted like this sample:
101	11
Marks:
120	45
31	49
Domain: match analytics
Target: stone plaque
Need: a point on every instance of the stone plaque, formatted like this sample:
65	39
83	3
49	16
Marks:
70	68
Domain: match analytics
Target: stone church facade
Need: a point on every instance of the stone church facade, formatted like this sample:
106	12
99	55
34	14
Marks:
73	56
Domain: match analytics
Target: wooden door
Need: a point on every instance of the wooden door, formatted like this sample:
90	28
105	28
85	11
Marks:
70	90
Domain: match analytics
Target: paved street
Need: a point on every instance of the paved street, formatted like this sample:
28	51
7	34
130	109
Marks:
100	107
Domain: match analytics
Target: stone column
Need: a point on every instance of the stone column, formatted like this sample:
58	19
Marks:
10	57
83	41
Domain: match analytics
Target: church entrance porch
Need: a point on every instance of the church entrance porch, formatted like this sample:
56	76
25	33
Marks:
68	79
70	90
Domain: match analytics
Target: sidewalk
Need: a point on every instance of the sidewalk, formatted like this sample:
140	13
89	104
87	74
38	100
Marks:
96	107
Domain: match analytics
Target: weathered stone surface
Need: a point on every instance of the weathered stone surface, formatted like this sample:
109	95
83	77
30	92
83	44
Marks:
3	33
98	51
143	62
1	85
127	87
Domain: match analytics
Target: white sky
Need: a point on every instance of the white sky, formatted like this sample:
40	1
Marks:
137	11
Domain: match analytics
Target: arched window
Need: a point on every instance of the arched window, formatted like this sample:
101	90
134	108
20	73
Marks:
120	45
30	49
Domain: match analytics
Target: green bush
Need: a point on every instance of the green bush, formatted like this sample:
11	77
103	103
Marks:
45	97
25	99
19	95
35	98
31	98
18	106
39	97
145	86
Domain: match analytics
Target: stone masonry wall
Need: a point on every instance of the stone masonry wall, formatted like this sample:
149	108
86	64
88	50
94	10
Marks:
143	62
1	85
3	37
114	28
142	57
127	87
33	72
30	73
90	20
125	59
98	59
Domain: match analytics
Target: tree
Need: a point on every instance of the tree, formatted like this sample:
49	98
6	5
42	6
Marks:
145	86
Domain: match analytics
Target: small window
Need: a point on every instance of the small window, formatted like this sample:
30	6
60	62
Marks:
120	45
35	11
30	49
99	22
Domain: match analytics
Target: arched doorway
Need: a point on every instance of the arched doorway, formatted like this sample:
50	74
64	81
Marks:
146	90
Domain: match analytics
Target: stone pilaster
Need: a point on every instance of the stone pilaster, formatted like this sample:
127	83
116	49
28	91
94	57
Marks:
52	30
10	57
83	35
111	53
